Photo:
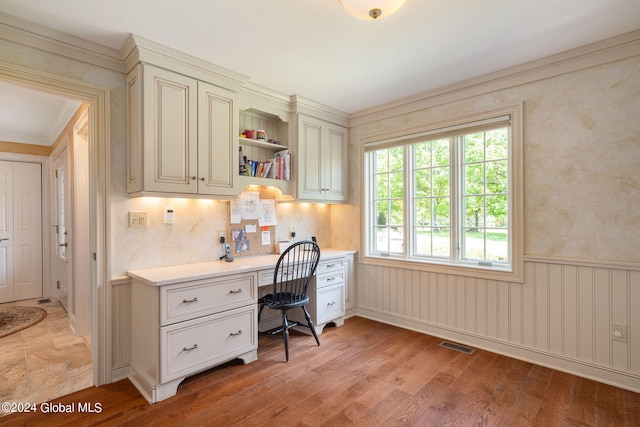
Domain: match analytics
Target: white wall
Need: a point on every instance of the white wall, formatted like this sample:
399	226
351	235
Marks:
582	220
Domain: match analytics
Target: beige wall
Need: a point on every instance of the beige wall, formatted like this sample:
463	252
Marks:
581	157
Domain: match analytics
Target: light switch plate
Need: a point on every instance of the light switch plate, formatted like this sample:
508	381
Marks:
137	219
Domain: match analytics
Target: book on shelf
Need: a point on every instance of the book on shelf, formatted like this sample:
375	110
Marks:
278	167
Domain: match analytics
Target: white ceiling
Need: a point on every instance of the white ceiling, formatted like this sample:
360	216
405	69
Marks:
31	117
315	49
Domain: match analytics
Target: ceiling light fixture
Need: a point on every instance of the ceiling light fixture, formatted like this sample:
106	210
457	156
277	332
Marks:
372	9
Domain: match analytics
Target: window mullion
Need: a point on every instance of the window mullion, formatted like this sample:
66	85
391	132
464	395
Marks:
409	200
456	195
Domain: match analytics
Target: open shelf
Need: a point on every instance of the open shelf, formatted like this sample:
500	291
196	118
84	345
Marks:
258	143
283	185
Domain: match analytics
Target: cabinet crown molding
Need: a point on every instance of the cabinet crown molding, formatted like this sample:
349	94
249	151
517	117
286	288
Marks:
138	49
302	105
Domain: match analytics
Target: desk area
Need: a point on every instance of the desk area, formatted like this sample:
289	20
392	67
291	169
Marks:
189	318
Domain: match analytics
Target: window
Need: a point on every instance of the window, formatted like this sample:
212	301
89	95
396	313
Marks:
447	196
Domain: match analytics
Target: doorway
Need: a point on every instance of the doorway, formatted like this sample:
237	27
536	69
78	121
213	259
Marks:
98	100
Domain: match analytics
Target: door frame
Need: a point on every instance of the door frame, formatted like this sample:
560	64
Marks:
53	220
98	99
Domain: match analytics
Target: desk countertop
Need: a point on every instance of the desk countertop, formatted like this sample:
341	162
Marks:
204	270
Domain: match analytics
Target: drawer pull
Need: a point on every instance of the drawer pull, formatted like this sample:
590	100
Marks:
195	346
231	334
330	265
329	304
189	301
235	292
330	279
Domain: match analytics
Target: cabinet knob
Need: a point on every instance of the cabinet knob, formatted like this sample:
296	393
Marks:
202	179
193	178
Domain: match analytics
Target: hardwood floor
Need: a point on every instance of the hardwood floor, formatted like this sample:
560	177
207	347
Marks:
364	374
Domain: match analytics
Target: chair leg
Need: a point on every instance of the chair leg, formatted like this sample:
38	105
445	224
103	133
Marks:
260	312
285	326
310	323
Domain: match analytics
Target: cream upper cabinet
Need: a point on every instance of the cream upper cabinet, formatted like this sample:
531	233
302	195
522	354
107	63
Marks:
182	135
217	141
322	160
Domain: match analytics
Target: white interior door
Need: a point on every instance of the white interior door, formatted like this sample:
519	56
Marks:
61	221
20	231
27	230
6	231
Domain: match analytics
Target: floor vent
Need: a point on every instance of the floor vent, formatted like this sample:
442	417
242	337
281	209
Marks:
44	300
457	347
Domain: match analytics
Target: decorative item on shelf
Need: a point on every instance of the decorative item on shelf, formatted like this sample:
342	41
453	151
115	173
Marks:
243	167
248	133
273	141
261	135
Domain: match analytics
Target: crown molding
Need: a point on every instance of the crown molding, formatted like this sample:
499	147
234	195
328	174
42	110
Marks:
138	49
262	99
46	39
307	106
594	54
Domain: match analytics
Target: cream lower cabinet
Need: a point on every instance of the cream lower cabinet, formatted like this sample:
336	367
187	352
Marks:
182	135
322	161
184	328
326	295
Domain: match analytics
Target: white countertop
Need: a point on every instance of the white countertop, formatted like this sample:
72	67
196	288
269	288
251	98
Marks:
186	272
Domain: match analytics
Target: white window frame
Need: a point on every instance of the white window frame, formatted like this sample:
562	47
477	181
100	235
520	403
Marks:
512	271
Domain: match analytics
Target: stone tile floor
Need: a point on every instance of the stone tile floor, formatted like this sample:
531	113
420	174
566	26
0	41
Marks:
44	361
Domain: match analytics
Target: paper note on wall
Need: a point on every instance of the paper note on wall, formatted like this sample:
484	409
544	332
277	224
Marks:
250	205
235	213
266	238
268	216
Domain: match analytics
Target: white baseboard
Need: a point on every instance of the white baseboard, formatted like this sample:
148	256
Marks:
625	380
119	373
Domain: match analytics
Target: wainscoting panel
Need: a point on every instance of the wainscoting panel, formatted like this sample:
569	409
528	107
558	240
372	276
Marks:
560	316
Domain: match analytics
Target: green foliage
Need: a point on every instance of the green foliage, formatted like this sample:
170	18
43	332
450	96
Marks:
484	175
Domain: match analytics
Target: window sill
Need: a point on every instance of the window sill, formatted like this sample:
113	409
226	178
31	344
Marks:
515	274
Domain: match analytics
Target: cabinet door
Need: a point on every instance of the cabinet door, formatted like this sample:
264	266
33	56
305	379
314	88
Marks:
170	131
217	141
334	157
322	167
310	136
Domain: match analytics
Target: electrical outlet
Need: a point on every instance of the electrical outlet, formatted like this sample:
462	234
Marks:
618	332
137	219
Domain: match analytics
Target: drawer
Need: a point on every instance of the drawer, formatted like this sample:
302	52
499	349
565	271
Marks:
328	279
330	266
265	277
329	303
189	347
200	298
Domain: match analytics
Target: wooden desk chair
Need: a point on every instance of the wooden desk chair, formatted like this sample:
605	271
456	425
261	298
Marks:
294	270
